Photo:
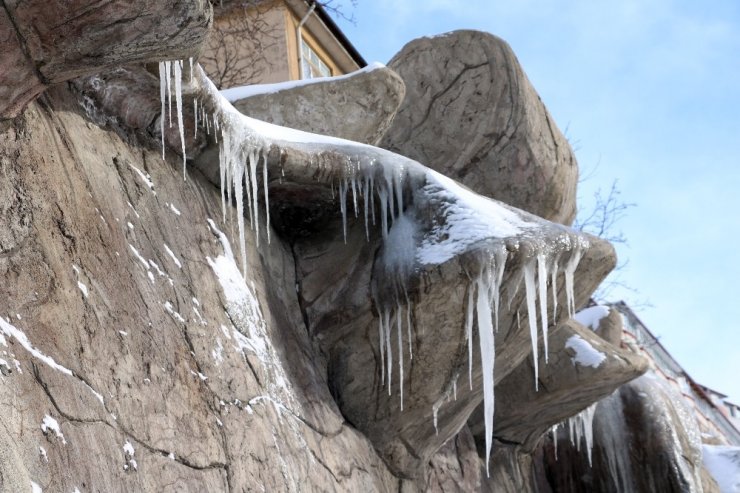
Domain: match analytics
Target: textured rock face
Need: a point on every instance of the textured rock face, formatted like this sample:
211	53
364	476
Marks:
471	113
358	107
46	42
158	355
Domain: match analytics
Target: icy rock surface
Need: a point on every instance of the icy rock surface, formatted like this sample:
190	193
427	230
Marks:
423	220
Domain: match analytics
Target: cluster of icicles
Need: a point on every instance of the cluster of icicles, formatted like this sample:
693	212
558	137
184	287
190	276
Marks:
580	427
241	148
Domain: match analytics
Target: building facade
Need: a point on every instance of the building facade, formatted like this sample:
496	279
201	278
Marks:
267	41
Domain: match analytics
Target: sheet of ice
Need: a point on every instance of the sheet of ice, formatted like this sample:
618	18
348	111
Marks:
236	93
591	316
51	424
723	463
586	354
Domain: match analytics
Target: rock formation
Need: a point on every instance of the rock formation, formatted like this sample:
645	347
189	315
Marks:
471	113
160	334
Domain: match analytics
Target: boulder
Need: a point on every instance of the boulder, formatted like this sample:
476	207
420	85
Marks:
47	42
582	369
359	106
471	113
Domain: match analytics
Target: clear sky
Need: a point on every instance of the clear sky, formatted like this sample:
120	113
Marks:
649	92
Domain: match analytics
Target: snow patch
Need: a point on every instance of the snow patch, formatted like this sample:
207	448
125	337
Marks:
586	354
51	424
10	331
591	316
172	256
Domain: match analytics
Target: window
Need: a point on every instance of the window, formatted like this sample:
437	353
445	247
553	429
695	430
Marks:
311	65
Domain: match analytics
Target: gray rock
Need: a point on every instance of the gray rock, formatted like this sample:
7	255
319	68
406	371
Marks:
471	113
47	42
358	106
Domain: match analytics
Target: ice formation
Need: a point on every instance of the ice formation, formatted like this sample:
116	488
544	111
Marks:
426	219
580	427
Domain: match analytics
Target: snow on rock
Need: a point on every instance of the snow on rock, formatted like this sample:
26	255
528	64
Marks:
243	307
585	353
145	178
51	424
172	256
723	463
591	316
35	488
8	330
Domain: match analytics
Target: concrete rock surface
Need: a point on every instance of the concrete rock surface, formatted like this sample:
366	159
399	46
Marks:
358	106
471	113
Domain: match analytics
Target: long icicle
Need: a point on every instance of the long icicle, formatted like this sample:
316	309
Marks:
487	355
162	97
267	200
180	123
532	315
542	281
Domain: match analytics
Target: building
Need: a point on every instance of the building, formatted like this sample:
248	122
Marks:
718	419
266	41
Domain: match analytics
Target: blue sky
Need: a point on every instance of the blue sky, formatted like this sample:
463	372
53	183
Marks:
649	92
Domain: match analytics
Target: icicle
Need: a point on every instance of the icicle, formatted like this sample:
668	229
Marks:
580	426
267	200
532	315
366	201
162	91
569	271
191	69
399	192
454	388
238	181
554	287
381	335
354	193
554	432
500	257
435	413
216	128
343	206
249	193
195	112
469	333
408	325
372	198
388	350
255	193
400	351
178	103
487	356
168	76
383	195
542	280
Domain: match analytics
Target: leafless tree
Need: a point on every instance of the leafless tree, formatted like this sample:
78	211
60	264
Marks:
238	48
